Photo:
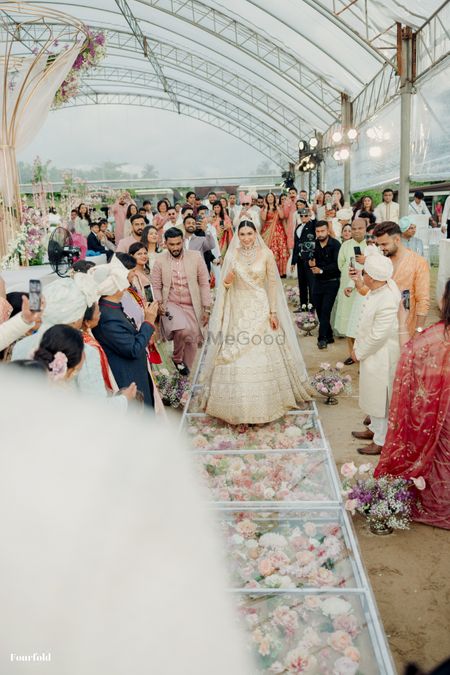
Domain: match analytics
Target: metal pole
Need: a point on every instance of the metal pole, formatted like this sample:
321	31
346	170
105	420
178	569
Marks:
346	125
405	60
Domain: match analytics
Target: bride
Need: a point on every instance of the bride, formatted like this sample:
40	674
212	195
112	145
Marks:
254	370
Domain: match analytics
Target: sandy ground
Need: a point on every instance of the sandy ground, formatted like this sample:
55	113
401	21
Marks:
408	570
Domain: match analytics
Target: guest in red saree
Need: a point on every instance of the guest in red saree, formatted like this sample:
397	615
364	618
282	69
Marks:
224	227
418	438
273	232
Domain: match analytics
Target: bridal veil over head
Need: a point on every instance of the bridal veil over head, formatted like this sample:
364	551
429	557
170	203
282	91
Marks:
216	323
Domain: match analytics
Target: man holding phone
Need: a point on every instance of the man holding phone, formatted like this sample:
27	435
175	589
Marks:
351	255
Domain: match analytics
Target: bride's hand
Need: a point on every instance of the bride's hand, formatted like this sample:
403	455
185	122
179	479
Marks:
229	278
274	323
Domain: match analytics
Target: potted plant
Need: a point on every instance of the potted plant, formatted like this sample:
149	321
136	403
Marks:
330	382
386	502
307	319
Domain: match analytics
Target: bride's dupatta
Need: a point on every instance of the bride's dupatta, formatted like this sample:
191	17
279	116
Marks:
419	406
220	317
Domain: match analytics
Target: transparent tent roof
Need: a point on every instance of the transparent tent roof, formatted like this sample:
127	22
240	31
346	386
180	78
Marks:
270	72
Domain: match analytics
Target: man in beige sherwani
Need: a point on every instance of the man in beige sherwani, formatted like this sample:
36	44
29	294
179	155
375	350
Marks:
180	283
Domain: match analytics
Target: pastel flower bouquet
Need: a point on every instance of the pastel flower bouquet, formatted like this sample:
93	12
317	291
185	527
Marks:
90	56
301	633
173	387
330	382
273	550
270	477
293	295
386	502
27	247
306	320
289	432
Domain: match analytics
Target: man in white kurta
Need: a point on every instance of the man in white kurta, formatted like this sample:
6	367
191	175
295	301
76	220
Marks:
388	210
377	349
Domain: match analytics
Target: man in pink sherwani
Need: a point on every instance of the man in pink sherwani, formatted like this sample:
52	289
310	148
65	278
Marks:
180	283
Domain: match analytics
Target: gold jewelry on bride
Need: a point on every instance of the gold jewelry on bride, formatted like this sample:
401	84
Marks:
249	253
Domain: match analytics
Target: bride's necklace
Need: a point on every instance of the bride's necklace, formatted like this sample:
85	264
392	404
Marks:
249	254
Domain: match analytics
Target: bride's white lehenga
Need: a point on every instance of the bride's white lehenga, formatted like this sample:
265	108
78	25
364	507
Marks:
252	373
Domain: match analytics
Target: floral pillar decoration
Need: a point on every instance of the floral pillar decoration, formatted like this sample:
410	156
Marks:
32	68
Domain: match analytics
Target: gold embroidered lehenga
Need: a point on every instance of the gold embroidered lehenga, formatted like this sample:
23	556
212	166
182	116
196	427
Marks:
252	374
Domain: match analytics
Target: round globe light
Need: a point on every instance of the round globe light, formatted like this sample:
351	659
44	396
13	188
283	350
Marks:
352	134
345	153
337	155
337	137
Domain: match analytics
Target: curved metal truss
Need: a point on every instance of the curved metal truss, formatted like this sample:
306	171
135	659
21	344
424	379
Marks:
134	80
123	43
190	109
193	95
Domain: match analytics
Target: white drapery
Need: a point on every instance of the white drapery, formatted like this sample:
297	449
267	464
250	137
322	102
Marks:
25	107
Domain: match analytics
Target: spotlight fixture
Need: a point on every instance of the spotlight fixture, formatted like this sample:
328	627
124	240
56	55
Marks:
302	146
337	137
313	143
352	134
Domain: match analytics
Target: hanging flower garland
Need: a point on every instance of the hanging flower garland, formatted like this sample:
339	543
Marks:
90	56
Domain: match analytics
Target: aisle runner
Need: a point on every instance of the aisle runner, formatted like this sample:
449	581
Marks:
294	560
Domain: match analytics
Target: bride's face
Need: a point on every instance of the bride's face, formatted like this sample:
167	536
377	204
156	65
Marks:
247	236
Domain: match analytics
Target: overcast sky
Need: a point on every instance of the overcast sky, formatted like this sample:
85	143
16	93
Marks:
177	146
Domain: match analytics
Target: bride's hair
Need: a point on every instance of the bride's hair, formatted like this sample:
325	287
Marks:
247	223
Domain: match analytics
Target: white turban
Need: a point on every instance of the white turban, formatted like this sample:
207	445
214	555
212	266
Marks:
344	214
379	267
110	278
67	299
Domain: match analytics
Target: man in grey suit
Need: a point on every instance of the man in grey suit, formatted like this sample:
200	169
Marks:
194	243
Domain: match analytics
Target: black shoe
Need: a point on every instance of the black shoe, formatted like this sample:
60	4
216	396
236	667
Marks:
182	368
330	340
322	344
349	361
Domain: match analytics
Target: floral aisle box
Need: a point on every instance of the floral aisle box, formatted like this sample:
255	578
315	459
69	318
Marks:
319	634
276	476
287	549
291	432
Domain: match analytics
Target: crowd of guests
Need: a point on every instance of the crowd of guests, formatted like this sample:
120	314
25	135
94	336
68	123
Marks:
360	268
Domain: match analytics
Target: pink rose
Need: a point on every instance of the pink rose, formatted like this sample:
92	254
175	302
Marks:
345	666
348	469
247	528
351	505
305	558
353	654
348	623
340	640
265	567
310	529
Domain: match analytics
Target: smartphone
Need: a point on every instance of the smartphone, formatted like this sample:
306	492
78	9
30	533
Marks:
35	295
353	264
357	250
328	207
406	299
